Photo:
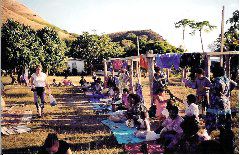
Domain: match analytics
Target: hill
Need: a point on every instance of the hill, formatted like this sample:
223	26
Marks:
151	35
20	13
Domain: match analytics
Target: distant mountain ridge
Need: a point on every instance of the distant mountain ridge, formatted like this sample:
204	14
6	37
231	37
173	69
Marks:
123	35
12	9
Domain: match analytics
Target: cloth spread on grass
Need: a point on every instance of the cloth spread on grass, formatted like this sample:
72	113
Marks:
152	148
123	134
14	130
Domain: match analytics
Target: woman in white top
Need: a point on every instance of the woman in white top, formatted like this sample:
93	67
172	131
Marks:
38	82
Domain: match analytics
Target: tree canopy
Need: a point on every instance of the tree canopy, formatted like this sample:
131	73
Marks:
24	47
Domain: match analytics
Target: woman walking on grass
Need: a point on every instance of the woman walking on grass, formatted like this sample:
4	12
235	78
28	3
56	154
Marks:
38	83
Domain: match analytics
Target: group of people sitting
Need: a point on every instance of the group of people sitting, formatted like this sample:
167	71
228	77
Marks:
64	82
176	134
182	134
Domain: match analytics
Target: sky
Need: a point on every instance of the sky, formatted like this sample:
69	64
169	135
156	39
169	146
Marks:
108	16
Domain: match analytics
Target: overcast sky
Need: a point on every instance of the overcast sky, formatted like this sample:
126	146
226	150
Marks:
107	16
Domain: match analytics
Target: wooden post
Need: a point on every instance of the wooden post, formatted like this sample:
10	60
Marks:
105	72
167	72
112	69
183	74
207	62
222	37
227	60
131	76
149	56
138	70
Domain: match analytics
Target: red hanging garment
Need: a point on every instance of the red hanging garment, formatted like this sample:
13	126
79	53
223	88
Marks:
143	62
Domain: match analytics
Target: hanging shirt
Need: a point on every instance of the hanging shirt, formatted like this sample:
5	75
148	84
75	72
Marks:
168	60
143	62
124	64
117	64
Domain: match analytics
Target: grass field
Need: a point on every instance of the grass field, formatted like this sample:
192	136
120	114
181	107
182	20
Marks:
72	119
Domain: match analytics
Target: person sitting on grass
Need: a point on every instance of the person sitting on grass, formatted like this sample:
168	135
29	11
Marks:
54	84
191	107
125	98
136	110
190	139
53	145
160	102
82	81
144	127
67	82
97	88
172	130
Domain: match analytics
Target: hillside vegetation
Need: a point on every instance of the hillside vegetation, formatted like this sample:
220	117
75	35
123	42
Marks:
12	9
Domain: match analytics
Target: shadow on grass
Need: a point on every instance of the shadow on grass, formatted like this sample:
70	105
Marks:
106	142
19	95
26	150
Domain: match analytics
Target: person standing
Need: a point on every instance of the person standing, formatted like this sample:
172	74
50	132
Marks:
38	83
219	110
202	85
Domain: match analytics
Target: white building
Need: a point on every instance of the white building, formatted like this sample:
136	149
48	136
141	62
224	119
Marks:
77	64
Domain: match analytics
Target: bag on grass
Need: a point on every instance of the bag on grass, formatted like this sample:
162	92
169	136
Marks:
53	101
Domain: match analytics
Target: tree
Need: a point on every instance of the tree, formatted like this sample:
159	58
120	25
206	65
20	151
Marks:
183	24
231	43
201	26
20	46
93	49
232	35
54	50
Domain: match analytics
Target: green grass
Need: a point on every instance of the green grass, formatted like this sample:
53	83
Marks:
75	122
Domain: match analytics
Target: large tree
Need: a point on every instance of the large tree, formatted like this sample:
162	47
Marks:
94	48
54	50
201	26
20	46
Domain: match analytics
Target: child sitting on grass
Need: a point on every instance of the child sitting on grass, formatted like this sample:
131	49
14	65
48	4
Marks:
191	107
172	130
82	81
144	126
54	84
190	139
125	98
97	88
160	102
136	110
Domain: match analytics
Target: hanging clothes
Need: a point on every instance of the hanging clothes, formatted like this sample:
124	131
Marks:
176	61
143	62
168	60
191	59
124	64
117	64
